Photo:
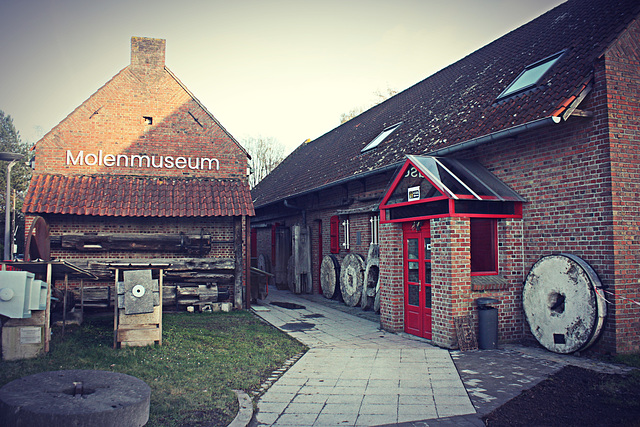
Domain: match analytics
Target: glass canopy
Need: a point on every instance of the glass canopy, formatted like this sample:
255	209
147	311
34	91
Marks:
429	187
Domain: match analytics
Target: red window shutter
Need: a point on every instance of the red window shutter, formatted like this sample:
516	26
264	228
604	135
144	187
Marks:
334	232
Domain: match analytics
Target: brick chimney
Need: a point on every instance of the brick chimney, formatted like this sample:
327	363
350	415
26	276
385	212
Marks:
147	55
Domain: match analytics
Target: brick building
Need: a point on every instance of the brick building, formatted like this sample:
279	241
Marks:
141	172
525	149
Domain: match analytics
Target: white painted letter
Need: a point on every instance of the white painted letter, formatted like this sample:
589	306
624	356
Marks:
181	162
140	160
91	159
78	160
204	159
109	160
197	166
168	162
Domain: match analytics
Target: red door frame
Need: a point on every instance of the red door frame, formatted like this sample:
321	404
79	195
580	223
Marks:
417	279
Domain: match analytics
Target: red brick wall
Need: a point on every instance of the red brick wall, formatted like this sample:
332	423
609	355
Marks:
391	277
622	73
450	277
112	121
511	268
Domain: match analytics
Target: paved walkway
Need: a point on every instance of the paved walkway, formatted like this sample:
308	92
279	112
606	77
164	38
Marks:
355	374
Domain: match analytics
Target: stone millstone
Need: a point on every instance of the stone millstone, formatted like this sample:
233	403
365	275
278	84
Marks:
562	304
330	276
75	398
352	279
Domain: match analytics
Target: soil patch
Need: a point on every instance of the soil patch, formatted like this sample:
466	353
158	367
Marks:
574	397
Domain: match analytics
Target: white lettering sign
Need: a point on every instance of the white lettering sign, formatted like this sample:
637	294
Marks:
412	172
140	161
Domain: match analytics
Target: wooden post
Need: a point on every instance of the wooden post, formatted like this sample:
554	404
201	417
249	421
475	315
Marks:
160	283
82	300
64	302
47	310
115	313
238	295
247	253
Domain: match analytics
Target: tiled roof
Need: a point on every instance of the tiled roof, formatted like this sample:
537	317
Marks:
104	195
458	103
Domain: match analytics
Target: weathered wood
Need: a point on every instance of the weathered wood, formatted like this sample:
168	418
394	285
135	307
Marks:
172	294
201	292
191	269
169	296
259	284
465	332
264	263
139	336
208	293
301	251
101	295
352	279
371	277
330	276
188	301
194	243
186	291
283	252
291	271
197	277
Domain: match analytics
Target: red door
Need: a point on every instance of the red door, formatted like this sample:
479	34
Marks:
417	280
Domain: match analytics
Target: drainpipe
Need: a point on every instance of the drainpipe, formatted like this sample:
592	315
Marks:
505	133
303	211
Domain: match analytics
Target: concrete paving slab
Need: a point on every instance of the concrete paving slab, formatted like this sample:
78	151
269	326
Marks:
354	373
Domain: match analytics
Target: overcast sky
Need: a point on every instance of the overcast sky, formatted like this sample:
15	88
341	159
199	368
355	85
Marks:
281	69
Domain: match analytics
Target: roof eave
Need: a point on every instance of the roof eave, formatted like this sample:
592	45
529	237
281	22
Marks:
501	134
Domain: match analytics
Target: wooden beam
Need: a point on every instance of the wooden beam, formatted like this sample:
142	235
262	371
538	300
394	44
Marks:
101	242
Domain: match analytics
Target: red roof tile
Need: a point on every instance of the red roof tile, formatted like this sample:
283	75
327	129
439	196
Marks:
103	195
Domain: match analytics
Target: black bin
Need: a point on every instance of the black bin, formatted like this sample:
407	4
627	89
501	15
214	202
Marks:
487	323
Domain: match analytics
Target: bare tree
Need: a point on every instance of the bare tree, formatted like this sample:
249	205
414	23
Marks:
266	153
380	97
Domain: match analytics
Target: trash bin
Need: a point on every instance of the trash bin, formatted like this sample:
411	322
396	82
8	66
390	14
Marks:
487	323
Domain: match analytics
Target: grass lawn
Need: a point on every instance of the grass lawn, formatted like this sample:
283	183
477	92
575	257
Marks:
203	357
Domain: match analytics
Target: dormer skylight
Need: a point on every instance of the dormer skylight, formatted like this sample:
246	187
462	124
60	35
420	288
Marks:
531	75
381	137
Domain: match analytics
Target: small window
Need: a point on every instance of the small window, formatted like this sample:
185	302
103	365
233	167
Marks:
531	75
484	246
148	120
378	139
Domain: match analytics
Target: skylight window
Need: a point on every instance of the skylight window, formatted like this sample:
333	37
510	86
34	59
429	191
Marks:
531	75
381	137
